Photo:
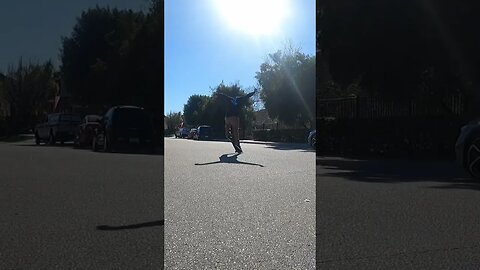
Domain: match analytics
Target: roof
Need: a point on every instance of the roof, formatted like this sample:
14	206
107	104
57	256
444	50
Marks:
261	117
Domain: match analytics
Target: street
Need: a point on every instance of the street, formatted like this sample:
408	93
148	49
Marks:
396	214
65	208
251	211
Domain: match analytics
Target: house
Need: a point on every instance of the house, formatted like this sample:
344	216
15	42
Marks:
263	121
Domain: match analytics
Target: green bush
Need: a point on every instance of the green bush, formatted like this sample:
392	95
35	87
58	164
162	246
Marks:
395	137
282	135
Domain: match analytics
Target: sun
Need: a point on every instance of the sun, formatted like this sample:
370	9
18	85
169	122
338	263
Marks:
253	17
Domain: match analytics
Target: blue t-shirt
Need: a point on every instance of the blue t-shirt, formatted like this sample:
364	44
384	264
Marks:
233	105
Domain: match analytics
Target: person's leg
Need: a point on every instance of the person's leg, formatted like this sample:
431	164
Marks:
229	121
235	131
226	126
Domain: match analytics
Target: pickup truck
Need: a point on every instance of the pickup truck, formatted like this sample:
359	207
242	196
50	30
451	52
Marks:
57	127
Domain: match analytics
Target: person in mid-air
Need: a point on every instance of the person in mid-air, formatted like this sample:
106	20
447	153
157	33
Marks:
233	105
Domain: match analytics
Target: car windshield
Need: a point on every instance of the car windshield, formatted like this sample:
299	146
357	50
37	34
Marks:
92	118
131	118
72	118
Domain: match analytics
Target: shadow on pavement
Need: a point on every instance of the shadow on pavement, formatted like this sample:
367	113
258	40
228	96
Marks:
229	159
447	173
282	146
130	227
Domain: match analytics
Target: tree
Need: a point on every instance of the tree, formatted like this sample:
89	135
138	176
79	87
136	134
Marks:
195	111
156	8
402	49
146	61
174	119
287	81
95	64
28	89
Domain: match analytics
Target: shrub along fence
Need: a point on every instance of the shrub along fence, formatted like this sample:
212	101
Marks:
371	125
374	107
282	135
419	137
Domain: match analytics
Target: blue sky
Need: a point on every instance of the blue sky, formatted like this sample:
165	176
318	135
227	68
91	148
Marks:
204	48
32	29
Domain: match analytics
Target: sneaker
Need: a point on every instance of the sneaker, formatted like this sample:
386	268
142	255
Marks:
238	149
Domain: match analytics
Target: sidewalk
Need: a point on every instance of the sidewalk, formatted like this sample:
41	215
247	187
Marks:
17	138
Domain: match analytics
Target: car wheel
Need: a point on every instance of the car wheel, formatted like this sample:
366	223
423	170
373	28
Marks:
94	144
473	158
51	139
107	144
37	139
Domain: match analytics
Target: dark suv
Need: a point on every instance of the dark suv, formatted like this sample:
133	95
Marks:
122	126
203	133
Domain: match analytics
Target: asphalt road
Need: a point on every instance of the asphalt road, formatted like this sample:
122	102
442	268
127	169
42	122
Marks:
396	214
64	208
253	211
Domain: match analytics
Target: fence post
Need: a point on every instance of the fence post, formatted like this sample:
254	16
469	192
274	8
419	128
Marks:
357	107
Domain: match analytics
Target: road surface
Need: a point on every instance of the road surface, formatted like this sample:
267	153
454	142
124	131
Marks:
252	211
64	208
396	214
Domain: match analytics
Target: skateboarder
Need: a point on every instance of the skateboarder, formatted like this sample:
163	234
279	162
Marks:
233	106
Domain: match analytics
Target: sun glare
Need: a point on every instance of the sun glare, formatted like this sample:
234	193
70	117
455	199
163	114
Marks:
253	17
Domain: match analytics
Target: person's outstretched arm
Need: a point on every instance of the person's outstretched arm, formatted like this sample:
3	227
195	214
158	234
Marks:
223	96
247	96
251	94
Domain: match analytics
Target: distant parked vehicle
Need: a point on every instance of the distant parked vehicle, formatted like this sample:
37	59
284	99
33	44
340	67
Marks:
192	133
122	126
312	138
86	130
467	148
58	127
182	133
203	133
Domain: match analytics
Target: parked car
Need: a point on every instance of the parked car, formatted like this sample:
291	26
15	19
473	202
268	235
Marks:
467	148
203	133
86	130
192	133
57	127
182	133
124	126
312	138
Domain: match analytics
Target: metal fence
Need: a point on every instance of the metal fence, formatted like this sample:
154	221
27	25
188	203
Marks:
376	107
